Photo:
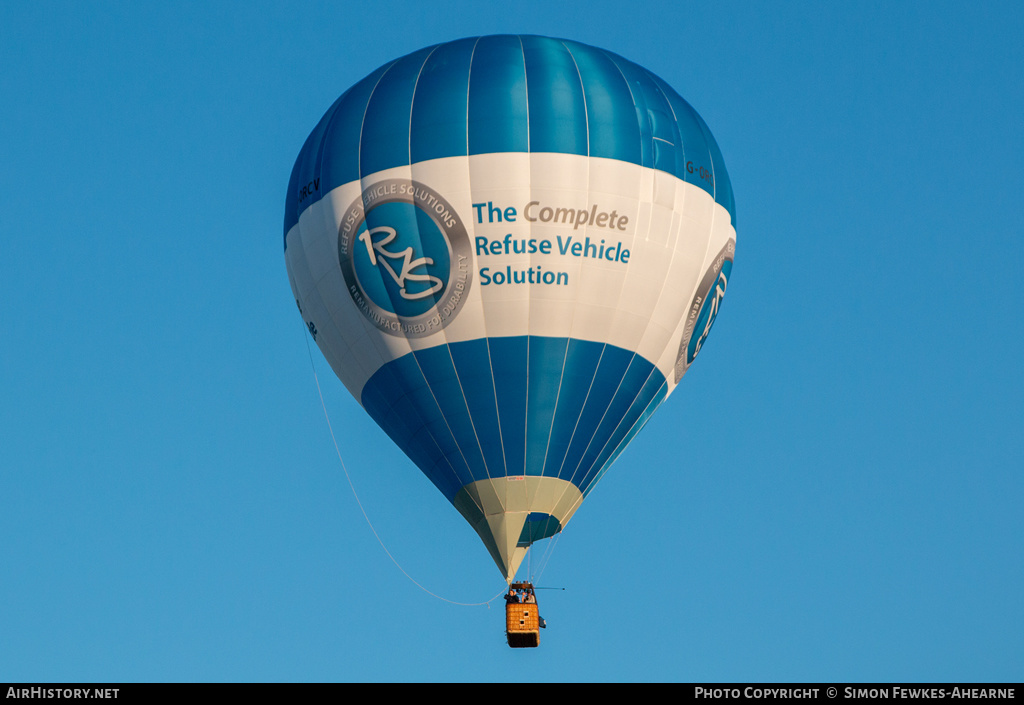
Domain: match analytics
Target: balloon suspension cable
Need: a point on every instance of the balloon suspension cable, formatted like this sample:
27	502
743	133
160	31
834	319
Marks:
337	450
543	559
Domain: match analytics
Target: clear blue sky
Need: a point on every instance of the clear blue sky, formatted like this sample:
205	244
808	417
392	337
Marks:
840	477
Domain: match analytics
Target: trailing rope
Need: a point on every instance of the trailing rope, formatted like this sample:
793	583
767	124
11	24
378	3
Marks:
369	523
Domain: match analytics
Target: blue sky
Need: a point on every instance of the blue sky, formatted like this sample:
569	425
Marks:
839	478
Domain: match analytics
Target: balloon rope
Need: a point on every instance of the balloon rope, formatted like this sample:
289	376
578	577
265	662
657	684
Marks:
360	504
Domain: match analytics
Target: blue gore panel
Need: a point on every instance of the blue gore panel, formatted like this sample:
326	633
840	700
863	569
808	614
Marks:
722	184
581	365
635	408
612	128
473	362
498	114
385	139
402	404
610	426
546	363
697	140
438	126
558	113
304	185
506	93
524	405
609	373
344	128
509	367
654	394
640	114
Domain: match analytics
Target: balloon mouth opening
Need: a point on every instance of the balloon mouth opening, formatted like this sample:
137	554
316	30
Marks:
538	526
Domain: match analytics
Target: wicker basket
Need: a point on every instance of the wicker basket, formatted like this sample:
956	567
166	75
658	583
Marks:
522	621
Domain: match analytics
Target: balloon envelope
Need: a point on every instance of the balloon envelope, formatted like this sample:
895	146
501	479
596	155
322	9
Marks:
510	249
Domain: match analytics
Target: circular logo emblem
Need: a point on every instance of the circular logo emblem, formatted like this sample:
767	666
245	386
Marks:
405	255
704	308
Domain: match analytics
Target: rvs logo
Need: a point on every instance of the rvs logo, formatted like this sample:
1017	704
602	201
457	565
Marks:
405	256
704	308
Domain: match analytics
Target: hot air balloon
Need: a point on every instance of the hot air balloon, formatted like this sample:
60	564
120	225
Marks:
510	249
